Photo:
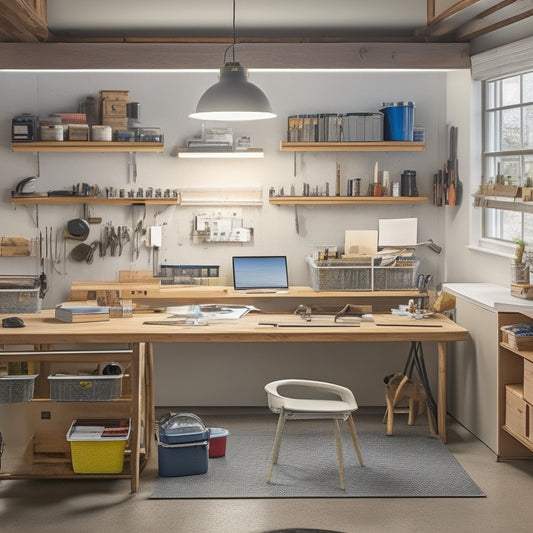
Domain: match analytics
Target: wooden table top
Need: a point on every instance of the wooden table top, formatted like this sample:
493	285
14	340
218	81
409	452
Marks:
43	328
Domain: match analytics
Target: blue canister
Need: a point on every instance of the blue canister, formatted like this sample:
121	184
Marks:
399	119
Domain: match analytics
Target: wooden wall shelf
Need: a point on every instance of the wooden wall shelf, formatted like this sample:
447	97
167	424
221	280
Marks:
69	200
87	146
346	200
369	146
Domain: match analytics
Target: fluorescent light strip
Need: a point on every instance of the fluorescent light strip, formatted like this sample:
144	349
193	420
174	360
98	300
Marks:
201	71
222	155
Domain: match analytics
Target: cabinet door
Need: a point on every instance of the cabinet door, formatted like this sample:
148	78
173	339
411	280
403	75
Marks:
473	373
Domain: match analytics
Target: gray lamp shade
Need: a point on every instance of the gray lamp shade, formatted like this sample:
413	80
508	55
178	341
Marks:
233	97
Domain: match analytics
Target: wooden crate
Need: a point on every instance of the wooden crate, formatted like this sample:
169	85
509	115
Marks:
522	290
516	415
512	336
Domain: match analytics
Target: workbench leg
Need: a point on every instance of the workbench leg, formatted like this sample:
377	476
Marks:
137	363
441	393
149	405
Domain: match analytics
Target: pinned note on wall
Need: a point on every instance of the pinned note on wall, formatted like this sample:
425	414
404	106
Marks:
397	232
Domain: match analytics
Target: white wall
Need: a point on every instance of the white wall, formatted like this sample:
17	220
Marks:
166	100
465	264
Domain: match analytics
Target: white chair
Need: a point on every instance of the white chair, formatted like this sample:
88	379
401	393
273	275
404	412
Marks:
319	400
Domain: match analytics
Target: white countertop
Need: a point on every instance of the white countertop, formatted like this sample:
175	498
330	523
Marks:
491	297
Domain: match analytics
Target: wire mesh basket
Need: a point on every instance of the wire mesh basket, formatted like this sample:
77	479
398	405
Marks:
15	389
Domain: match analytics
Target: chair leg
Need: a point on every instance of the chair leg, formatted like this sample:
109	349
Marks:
353	433
339	452
277	444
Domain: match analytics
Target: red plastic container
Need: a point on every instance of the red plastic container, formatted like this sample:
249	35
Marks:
217	442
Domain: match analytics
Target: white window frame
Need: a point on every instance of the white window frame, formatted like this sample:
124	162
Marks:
509	60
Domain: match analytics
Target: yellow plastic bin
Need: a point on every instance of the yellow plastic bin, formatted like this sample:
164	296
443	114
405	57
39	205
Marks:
97	446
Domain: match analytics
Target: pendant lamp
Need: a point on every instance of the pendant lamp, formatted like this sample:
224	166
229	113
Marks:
233	97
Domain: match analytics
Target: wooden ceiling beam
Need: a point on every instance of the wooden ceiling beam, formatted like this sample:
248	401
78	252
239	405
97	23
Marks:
362	55
23	21
464	13
503	15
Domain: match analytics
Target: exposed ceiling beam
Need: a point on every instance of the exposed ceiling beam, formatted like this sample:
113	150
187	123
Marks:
494	19
470	18
23	21
119	56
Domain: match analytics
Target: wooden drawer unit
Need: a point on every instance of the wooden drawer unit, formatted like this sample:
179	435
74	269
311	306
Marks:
516	410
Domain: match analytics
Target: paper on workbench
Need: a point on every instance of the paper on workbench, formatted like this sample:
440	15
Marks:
397	232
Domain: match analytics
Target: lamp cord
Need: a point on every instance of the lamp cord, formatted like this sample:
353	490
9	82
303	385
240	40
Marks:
234	37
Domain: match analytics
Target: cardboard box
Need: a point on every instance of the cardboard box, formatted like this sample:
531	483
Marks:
516	415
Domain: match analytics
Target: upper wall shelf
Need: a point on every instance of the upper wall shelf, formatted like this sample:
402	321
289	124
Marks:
87	146
367	146
346	200
69	200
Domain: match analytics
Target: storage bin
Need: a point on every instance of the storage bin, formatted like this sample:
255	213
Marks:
399	120
217	442
19	301
515	410
68	388
182	441
15	389
93	452
333	275
343	275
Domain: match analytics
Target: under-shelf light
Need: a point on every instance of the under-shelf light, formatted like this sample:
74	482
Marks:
245	154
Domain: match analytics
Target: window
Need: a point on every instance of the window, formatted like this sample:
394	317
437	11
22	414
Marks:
508	151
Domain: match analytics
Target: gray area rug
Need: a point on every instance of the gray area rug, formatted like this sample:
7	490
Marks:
411	463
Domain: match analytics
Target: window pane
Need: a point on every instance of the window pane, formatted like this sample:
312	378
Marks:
511	91
506	225
528	227
527	83
511	129
528	170
528	126
492	131
511	225
490	93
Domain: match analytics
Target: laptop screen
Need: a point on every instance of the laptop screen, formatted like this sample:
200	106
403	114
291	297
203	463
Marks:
260	272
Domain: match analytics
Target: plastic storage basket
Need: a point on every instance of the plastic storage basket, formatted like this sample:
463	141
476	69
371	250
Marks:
14	389
94	453
67	388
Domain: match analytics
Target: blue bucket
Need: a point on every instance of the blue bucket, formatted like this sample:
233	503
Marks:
399	121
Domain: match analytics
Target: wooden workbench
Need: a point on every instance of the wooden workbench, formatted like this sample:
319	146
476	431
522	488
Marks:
44	329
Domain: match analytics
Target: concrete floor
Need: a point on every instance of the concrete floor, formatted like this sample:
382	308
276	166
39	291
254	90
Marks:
79	506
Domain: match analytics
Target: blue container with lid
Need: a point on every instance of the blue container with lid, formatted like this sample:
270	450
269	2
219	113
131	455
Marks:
182	445
399	119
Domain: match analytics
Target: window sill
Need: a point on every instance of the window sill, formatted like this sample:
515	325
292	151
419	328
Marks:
488	246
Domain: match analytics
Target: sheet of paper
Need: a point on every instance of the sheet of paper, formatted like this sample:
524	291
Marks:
364	242
397	232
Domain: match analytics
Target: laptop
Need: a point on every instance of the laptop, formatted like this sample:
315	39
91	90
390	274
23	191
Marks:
260	274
